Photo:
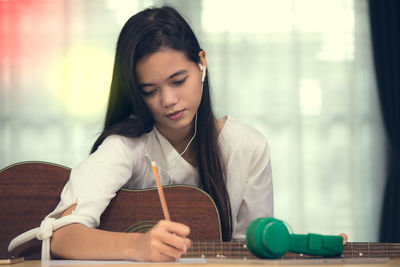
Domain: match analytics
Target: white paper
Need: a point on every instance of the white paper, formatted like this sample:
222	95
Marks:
105	262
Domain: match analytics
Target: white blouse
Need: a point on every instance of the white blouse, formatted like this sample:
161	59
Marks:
122	162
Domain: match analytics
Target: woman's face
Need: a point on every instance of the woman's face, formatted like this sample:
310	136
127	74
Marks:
171	88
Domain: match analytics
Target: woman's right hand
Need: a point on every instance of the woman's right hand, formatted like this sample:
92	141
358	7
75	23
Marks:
166	241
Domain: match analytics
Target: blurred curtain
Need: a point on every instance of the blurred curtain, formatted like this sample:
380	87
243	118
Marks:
385	28
301	72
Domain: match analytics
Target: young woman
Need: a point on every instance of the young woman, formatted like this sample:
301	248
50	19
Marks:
160	110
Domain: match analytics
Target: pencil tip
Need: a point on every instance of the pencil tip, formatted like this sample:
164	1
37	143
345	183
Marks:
153	163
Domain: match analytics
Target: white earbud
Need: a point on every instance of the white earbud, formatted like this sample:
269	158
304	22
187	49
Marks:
203	75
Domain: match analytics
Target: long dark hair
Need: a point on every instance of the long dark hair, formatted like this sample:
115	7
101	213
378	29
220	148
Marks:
127	114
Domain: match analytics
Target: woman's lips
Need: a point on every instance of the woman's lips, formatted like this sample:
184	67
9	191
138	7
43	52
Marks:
175	115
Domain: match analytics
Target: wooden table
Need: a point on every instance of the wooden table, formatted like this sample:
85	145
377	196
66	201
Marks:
381	262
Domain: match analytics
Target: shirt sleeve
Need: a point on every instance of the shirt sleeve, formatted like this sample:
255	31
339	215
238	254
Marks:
96	180
258	193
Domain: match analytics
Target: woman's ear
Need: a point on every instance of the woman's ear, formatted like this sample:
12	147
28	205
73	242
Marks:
202	56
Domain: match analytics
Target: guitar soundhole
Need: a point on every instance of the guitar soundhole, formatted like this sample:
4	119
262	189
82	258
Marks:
140	227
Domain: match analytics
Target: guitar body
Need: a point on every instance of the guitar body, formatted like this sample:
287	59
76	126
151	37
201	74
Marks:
31	190
28	192
139	210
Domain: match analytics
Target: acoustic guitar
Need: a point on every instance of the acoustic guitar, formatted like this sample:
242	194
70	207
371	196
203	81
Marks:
30	190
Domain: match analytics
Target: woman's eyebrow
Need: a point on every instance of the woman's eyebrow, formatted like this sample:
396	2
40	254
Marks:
179	72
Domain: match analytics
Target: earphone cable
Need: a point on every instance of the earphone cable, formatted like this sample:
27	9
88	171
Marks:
194	135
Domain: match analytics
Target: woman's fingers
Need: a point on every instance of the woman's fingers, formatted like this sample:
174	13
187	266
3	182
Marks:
166	241
175	235
344	237
163	252
169	252
176	241
175	227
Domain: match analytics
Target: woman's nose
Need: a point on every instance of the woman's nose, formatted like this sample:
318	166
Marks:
168	96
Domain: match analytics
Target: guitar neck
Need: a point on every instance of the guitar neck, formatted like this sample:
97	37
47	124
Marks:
371	250
239	250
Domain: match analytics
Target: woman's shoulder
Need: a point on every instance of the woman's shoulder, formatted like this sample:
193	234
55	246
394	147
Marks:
116	139
125	144
241	137
235	129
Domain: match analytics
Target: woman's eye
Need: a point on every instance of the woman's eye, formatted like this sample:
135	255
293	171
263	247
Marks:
149	93
179	82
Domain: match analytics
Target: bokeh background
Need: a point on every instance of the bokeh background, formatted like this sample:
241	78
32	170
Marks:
300	71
